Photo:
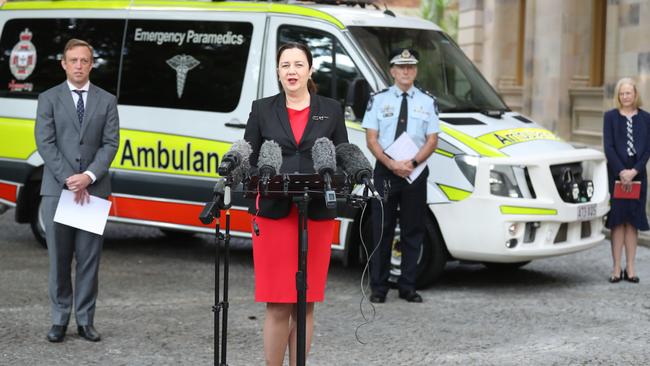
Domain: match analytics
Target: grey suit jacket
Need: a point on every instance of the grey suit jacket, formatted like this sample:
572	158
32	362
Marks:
68	148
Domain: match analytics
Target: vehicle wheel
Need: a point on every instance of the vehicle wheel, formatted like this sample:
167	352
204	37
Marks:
37	225
177	234
504	267
431	260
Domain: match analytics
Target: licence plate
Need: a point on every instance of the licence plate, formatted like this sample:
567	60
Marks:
586	212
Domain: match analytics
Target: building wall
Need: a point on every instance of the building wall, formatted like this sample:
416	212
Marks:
552	43
628	44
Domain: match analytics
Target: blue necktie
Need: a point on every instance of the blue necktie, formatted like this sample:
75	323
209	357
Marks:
80	105
402	120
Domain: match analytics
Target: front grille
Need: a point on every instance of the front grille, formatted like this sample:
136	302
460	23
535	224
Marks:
585	229
561	234
563	176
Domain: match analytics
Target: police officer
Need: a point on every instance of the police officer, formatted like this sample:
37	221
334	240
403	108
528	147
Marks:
401	108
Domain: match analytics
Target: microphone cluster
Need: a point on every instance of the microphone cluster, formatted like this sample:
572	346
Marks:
326	157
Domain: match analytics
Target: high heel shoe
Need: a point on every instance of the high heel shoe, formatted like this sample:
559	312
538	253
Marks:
614	279
633	279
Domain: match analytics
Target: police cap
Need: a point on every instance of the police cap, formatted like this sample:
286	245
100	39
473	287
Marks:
404	56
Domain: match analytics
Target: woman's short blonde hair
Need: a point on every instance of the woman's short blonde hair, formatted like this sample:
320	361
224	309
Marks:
637	97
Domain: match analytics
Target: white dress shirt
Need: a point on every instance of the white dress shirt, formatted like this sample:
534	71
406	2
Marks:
75	98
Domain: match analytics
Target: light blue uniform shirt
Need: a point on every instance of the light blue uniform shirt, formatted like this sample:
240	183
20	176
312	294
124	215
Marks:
383	111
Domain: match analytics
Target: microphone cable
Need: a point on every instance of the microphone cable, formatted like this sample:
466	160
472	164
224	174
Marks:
370	318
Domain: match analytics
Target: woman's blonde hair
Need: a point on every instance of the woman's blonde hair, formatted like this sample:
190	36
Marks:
637	97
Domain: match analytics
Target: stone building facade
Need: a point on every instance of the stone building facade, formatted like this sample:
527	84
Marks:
558	61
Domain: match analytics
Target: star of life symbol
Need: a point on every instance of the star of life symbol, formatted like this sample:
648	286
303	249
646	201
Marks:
182	64
22	59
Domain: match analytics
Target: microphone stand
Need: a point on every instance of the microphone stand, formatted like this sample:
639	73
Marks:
211	211
301	276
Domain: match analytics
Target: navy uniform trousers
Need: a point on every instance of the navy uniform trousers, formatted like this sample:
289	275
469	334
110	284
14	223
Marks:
411	200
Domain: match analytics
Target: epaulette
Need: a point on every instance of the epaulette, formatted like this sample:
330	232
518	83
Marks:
379	92
425	91
372	99
435	101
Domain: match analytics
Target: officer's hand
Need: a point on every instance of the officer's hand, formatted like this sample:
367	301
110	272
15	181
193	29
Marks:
402	168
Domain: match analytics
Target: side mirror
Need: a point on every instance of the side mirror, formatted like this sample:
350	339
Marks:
356	99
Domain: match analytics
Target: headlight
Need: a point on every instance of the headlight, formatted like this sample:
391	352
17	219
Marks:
586	190
467	165
510	181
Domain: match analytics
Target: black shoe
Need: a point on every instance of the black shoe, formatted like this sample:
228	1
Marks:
633	279
410	296
88	332
615	279
57	333
377	298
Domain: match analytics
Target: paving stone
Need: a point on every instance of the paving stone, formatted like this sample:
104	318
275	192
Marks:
156	295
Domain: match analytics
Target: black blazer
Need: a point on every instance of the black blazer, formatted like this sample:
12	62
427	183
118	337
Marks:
615	141
269	120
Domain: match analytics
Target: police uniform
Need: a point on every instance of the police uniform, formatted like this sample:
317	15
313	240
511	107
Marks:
382	115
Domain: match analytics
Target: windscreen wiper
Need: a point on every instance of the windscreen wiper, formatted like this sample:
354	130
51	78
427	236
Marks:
460	109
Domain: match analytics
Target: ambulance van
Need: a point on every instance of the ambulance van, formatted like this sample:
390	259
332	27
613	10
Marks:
502	189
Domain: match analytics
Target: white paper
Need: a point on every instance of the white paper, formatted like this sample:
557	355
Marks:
405	149
90	216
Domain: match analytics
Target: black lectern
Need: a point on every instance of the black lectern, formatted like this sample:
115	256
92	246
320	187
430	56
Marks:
301	188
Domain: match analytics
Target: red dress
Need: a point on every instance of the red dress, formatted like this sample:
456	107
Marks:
275	250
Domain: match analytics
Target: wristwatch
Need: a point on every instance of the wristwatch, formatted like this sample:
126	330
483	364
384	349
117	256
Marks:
414	162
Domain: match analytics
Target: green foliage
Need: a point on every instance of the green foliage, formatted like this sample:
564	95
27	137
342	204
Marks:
442	12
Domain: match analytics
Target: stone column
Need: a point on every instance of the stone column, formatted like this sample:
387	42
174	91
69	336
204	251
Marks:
529	56
500	36
470	29
557	59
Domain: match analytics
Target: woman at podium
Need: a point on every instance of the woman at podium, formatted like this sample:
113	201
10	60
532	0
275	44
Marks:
294	119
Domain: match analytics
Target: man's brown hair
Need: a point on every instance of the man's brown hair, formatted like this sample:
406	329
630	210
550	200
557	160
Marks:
74	42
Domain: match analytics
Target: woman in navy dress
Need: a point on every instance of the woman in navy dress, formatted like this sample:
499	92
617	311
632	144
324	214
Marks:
626	136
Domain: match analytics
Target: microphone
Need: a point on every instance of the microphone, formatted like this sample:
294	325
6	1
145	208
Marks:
235	162
221	198
269	162
323	153
354	163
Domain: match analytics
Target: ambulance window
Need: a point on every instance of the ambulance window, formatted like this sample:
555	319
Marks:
185	64
334	70
31	52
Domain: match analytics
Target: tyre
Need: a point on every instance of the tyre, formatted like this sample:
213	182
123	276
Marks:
431	260
37	225
504	267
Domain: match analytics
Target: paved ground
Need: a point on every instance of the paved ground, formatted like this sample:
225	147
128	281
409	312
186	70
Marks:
156	294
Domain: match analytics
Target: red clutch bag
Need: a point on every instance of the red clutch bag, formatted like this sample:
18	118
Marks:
620	194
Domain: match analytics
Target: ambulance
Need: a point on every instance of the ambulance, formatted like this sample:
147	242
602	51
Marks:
502	190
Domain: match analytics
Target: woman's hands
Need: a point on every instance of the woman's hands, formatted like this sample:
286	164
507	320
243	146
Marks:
627	175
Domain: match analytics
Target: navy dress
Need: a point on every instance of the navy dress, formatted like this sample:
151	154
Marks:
615	141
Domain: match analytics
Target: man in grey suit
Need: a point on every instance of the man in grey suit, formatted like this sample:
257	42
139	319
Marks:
77	134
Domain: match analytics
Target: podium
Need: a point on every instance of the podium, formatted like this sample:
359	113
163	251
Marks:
301	188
